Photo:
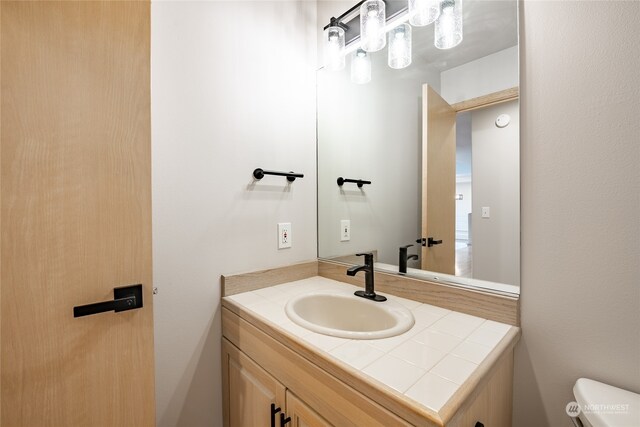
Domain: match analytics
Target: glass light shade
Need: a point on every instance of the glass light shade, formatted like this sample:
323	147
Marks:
448	28
423	12
400	46
334	48
360	67
373	18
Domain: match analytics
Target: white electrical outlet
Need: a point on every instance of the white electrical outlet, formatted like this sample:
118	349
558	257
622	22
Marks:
284	235
345	230
486	212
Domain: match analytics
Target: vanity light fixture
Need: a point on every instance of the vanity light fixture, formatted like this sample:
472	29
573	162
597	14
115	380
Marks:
360	67
448	28
373	18
334	41
363	29
423	12
400	46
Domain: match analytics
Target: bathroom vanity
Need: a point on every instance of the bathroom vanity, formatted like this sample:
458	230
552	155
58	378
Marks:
449	369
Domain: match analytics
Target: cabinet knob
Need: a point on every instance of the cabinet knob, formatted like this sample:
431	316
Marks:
274	411
283	420
479	424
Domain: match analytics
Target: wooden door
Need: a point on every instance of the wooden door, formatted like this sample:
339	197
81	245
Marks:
438	182
302	415
76	213
248	391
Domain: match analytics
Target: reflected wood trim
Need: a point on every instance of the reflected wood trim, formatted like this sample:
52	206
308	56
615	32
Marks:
487	100
354	259
501	308
245	282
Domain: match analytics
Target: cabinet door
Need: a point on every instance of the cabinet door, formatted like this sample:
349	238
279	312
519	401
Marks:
302	415
248	390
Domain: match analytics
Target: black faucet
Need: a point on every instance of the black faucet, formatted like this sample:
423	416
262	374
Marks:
403	258
368	278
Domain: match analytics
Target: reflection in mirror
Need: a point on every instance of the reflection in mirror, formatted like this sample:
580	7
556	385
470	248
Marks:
439	142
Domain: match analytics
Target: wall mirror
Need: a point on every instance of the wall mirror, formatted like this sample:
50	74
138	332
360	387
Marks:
428	155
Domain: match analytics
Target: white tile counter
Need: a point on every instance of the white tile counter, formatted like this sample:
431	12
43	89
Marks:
427	364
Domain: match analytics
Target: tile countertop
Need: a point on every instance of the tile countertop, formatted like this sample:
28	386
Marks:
427	364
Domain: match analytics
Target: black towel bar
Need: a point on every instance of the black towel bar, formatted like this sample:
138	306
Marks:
360	182
291	176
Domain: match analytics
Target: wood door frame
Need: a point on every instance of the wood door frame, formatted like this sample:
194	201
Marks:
487	100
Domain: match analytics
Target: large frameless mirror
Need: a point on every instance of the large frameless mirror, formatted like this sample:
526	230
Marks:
418	141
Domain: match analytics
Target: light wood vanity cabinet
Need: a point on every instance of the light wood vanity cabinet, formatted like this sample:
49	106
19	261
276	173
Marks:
261	366
302	415
251	395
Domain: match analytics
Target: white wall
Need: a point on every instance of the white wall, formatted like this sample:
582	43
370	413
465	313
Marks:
496	185
580	296
233	88
483	76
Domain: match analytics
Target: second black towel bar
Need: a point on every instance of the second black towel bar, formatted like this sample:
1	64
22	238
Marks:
291	176
360	182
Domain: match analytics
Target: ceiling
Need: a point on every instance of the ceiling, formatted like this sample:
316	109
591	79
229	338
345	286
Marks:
488	27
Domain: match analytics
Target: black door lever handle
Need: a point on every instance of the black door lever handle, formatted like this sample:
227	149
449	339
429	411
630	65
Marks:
431	242
125	298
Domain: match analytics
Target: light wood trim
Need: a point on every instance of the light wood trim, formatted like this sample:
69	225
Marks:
308	377
245	282
491	306
487	100
499	360
0	212
493	402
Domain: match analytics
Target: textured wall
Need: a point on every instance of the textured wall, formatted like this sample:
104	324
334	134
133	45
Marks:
233	88
580	203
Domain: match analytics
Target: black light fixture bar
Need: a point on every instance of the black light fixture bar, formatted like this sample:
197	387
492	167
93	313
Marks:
359	182
394	8
291	176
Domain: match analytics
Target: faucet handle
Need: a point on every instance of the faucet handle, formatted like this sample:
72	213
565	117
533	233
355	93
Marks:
405	246
368	257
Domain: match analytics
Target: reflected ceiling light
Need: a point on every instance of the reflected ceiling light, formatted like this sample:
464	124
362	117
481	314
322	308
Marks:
423	12
360	67
372	21
400	46
363	28
334	46
448	28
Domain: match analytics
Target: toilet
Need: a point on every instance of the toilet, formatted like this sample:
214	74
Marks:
601	405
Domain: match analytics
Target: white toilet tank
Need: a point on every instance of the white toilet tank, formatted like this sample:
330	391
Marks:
602	405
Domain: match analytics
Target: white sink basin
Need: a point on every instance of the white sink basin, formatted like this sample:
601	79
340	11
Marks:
342	314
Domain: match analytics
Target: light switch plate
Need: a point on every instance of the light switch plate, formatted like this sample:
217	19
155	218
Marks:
345	230
284	235
486	212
